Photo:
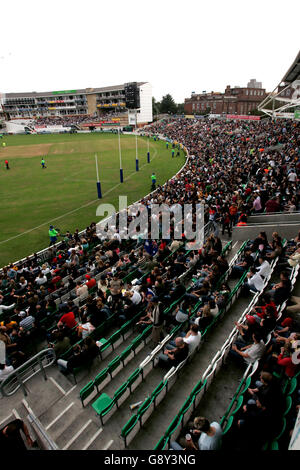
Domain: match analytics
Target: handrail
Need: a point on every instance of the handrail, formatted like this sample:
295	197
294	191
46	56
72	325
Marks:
44	440
26	371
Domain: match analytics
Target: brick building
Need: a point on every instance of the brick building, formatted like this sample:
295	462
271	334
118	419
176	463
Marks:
234	100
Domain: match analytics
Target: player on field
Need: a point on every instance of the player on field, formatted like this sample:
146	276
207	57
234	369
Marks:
43	163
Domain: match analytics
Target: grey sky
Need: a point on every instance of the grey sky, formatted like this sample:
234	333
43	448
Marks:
178	46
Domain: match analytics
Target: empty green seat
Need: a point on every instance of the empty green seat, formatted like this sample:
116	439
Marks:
126	430
238	404
143	408
228	425
173	425
125	328
288	405
100	378
147	332
283	427
103	405
158	390
119	392
161	444
124	354
274	445
292	385
86	391
114	338
186	405
136	342
133	377
113	365
246	386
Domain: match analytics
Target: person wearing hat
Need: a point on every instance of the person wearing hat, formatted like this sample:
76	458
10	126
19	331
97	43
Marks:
27	322
53	235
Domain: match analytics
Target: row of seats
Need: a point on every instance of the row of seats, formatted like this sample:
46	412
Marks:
201	387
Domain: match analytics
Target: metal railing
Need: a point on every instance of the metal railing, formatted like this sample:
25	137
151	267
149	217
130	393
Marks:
26	371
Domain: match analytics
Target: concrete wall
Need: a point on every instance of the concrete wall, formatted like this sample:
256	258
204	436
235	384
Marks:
293	217
251	231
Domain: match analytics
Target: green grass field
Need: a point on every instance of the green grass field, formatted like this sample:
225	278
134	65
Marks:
65	192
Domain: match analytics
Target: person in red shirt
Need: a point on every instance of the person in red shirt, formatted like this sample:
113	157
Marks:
68	319
6	163
285	360
91	282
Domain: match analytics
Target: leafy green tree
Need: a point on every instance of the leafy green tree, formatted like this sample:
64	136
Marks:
168	105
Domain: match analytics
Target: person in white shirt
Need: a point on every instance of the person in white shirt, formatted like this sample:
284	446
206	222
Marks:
264	269
5	371
134	296
193	337
254	282
250	353
41	279
292	177
81	289
210	436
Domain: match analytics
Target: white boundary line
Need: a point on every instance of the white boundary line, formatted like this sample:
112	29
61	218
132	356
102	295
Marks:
14	412
57	386
93	439
74	210
77	434
108	445
59	416
71	390
5	419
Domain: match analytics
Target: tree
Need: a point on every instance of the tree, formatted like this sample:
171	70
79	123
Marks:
168	105
180	108
155	107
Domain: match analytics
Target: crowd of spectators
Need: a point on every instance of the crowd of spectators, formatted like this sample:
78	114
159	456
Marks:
235	169
76	119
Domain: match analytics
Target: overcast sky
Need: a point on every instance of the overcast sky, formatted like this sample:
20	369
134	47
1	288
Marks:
177	46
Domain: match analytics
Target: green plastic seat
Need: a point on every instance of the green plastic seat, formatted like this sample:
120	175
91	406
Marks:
126	430
246	386
292	386
288	405
143	408
114	338
100	378
113	365
133	377
228	425
160	445
124	354
274	445
186	405
157	390
125	328
283	427
173	425
86	391
238	405
103	405
136	342
198	387
147	332
119	392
